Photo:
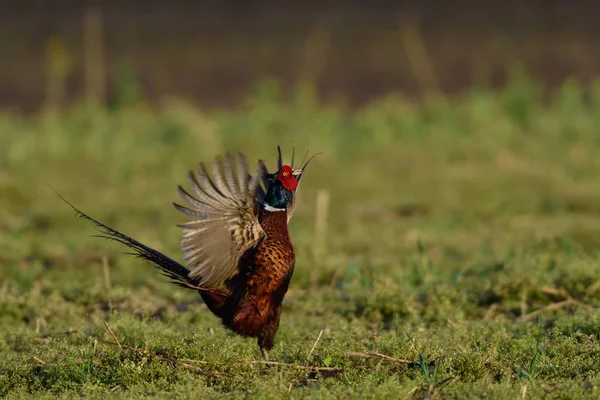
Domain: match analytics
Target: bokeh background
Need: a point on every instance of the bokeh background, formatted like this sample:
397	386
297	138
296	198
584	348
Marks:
447	240
214	52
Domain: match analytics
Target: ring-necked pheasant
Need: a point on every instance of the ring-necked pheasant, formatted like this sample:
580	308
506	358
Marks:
238	251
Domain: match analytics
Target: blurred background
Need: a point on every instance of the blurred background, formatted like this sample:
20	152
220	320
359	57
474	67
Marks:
434	112
214	52
457	190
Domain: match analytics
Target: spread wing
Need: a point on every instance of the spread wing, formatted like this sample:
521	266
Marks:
226	212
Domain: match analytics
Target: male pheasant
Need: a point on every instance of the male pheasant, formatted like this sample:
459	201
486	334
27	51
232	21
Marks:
238	251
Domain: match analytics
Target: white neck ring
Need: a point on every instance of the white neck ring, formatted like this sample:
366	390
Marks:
272	209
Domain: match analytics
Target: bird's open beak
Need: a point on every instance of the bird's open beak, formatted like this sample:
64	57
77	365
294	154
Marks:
297	173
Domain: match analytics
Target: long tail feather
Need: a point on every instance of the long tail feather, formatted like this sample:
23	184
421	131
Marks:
168	267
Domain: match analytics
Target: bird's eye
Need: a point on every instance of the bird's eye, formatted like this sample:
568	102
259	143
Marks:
285	174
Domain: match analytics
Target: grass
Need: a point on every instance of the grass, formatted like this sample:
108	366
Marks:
459	257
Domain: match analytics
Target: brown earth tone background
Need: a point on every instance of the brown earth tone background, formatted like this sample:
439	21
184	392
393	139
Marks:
215	52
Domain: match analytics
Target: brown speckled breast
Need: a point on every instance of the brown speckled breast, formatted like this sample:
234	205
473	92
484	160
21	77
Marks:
269	272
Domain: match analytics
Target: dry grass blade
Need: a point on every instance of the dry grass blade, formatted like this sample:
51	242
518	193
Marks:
113	335
39	360
106	274
201	371
491	312
307	367
190	361
420	62
321	218
312	349
558	293
39	323
377	355
554	307
523	391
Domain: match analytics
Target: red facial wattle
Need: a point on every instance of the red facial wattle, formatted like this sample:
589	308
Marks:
288	181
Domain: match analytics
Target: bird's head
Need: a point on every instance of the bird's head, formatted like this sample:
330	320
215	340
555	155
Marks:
289	177
283	184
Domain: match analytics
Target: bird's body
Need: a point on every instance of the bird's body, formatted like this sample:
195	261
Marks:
250	305
238	251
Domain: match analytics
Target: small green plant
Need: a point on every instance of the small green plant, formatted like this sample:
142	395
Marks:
537	362
429	375
82	372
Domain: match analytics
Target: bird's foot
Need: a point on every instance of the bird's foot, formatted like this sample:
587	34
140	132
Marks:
264	354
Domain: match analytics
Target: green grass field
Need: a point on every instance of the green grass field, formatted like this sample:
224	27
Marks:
459	256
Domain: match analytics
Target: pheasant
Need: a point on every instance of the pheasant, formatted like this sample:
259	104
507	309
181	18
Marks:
237	250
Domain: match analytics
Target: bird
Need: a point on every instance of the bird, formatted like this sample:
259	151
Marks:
237	250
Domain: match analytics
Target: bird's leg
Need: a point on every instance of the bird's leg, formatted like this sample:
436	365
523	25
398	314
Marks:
264	353
267	333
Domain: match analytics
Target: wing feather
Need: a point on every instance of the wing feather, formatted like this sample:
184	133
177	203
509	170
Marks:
205	184
259	181
219	180
194	202
230	177
242	171
226	223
